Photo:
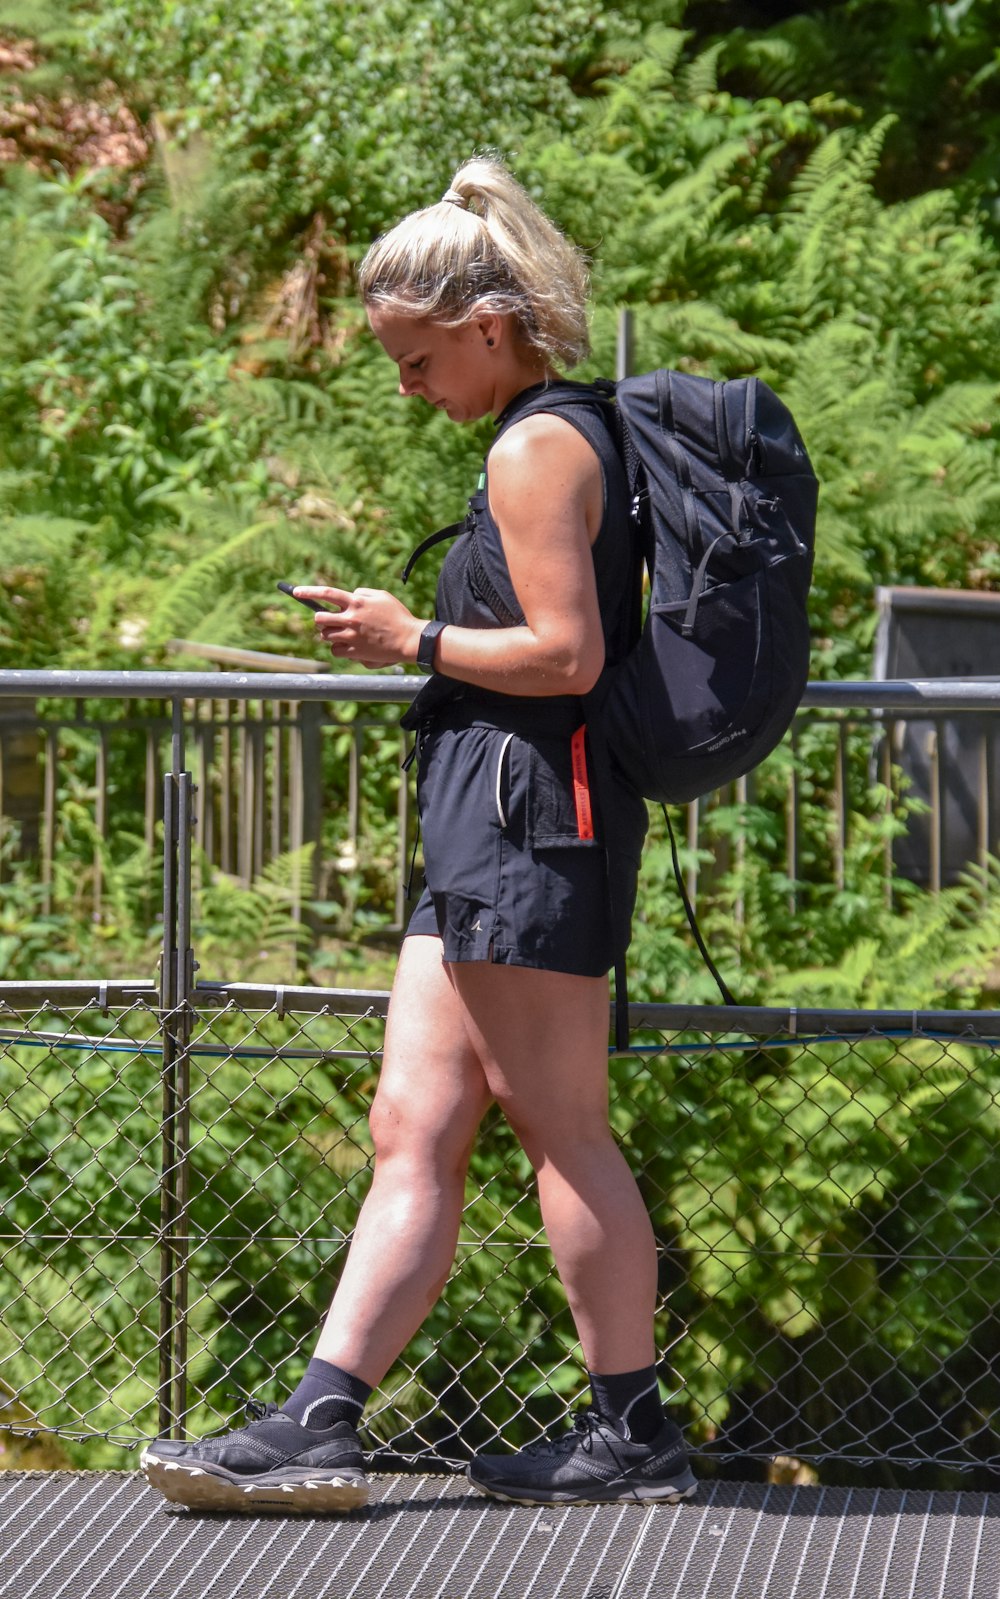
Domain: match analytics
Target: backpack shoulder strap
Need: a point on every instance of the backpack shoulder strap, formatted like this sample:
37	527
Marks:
450	532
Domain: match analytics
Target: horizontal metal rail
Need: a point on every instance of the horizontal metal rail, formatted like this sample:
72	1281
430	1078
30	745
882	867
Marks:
760	1021
928	695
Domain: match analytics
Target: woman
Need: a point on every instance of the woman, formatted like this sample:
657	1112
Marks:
501	992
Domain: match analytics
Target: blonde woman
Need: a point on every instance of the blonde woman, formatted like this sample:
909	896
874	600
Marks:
501	993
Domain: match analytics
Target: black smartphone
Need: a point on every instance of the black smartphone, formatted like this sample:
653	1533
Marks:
314	605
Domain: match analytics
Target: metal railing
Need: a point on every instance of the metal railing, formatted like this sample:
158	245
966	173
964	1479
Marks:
181	1162
262	764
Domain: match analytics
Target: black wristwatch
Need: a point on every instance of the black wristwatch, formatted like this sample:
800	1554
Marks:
428	639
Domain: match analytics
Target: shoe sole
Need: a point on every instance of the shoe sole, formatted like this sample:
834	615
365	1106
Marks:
295	1490
637	1492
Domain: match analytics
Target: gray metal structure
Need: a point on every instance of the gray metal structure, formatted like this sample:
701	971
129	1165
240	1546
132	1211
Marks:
952	766
108	1536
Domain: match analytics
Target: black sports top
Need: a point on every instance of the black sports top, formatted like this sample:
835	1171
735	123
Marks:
475	589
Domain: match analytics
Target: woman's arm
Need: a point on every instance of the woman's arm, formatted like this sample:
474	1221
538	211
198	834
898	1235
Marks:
547	498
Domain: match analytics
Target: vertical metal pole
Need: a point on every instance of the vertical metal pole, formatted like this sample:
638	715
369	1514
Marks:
246	803
49	816
840	817
693	821
625	352
176	982
2	776
101	819
311	781
888	805
991	838
205	830
296	791
983	809
277	779
740	852
226	793
258	739
792	828
937	831
402	838
152	784
354	785
168	972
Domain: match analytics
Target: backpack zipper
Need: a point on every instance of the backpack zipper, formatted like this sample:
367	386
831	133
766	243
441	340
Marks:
756	454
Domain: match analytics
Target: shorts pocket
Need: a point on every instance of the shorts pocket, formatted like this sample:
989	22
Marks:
561	807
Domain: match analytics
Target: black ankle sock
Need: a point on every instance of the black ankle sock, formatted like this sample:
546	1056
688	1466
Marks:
631	1399
327	1395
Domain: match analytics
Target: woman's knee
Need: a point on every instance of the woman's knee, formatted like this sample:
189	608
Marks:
435	1136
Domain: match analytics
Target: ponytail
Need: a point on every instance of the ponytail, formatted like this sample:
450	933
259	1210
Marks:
484	247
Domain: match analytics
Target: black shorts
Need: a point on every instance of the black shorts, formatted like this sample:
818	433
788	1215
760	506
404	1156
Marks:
516	857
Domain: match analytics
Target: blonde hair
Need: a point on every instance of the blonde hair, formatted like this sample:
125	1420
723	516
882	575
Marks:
485	246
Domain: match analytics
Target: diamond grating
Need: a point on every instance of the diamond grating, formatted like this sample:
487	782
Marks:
106	1535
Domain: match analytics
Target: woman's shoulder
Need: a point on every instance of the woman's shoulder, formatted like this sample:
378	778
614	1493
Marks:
543	444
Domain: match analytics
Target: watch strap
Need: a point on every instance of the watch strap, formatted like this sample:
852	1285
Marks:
428	639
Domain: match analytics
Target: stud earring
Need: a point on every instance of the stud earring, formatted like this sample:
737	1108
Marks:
490	342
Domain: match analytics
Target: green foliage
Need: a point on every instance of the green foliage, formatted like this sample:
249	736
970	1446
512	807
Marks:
360	111
933	66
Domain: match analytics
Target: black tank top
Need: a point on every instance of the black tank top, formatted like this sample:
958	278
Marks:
474	587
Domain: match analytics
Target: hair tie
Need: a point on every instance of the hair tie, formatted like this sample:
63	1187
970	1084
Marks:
453	197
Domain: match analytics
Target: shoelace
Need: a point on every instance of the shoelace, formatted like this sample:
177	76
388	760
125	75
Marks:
585	1424
254	1409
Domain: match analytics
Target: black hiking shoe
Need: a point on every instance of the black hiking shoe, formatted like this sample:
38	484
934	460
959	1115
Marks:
273	1463
589	1465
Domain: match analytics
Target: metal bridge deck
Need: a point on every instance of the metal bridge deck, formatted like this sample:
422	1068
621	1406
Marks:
107	1535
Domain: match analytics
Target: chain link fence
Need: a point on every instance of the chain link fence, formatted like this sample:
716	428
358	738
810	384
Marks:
825	1201
181	1166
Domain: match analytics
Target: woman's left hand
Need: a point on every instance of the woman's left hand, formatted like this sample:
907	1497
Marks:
369	626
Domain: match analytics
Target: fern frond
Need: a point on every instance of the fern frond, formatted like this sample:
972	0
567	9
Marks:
282	402
289	875
960	407
26	257
701	76
796	60
824	166
38	541
838	550
665	47
865	151
699	330
181	610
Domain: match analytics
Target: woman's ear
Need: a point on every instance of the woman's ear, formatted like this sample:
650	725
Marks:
491	328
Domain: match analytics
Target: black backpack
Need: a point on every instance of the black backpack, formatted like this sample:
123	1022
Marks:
725	502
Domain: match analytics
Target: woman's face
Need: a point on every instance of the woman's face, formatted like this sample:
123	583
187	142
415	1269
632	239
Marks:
456	370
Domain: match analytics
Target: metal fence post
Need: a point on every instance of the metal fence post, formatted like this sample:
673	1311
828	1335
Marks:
625	348
311	715
176	984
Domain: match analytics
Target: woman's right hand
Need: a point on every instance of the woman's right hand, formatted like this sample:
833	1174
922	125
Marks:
370	626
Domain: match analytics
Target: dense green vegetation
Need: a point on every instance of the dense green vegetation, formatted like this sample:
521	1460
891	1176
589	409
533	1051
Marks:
191	407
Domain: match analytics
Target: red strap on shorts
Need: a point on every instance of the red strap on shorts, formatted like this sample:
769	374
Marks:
581	784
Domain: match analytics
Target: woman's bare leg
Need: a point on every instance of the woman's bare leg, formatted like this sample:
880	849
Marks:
542	1038
431	1097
